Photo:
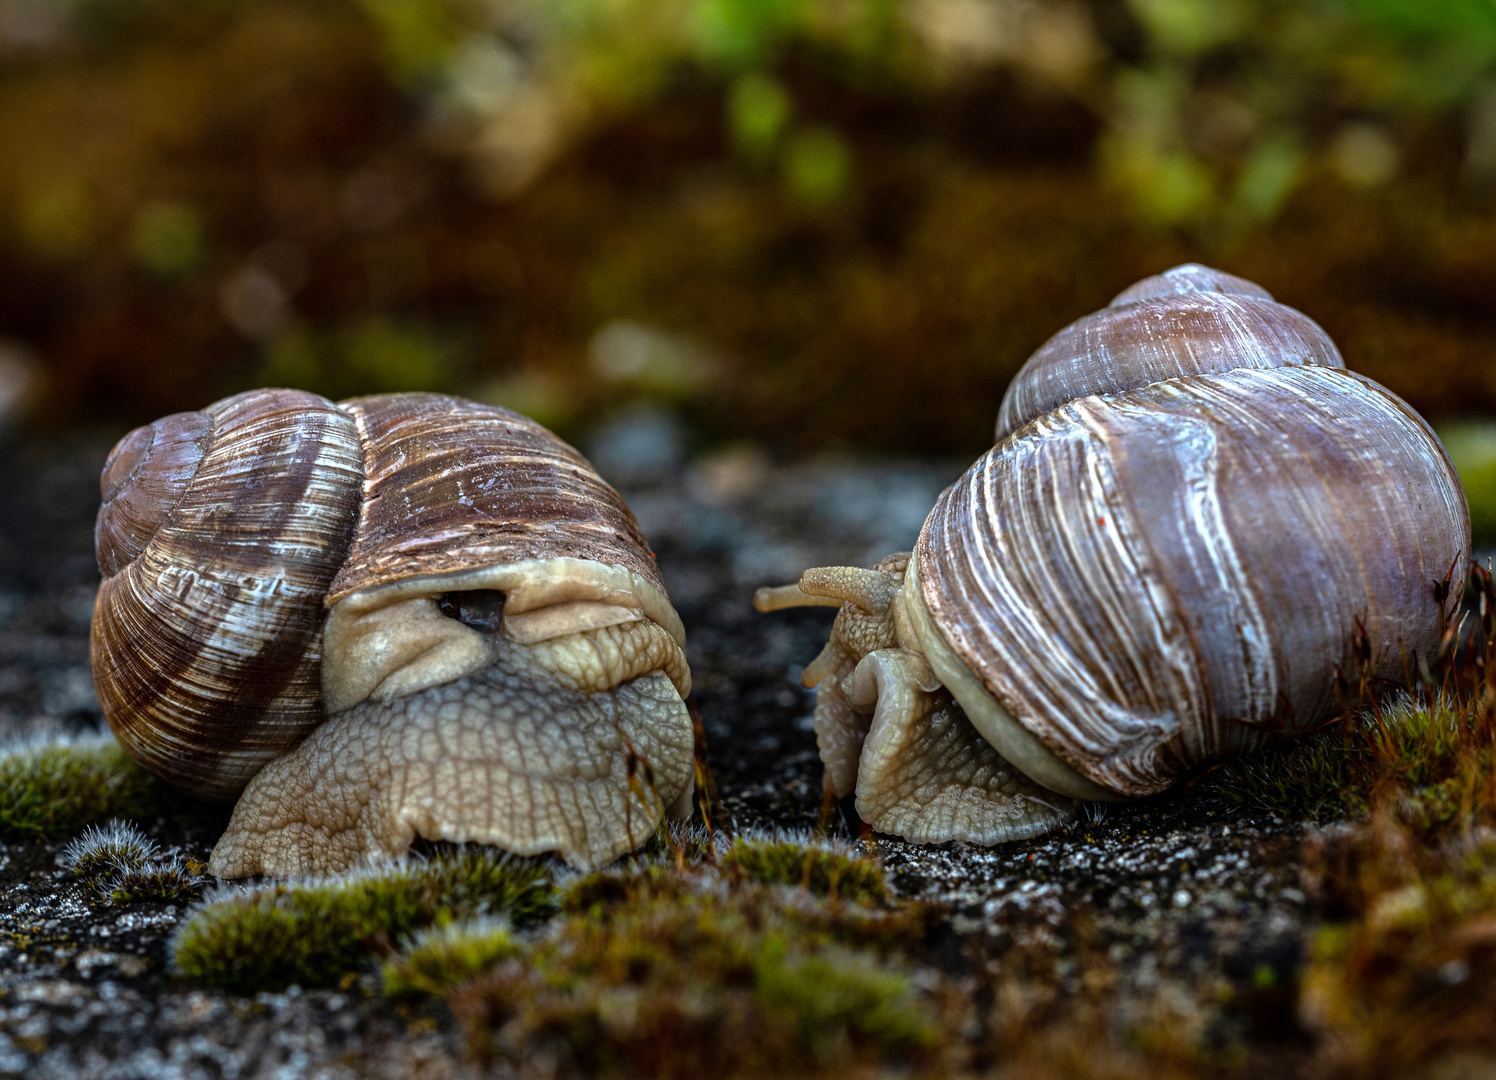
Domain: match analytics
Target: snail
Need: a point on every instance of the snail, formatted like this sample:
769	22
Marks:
399	615
1190	509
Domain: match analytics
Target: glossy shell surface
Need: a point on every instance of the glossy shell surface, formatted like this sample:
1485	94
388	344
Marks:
218	537
1189	321
1149	571
452	485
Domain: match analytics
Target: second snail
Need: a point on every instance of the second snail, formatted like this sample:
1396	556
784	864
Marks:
1190	508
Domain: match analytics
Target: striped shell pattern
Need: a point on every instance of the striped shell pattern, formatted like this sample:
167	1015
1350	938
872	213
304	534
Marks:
1190	508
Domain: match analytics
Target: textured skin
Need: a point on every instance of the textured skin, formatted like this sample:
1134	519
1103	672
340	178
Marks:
451	485
505	756
205	644
1189	321
1133	574
928	776
840	729
863	625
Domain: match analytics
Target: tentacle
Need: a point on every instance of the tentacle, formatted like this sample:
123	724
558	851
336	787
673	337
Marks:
780	597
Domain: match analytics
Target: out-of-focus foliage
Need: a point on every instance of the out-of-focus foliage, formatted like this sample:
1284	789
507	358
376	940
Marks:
800	220
1472	449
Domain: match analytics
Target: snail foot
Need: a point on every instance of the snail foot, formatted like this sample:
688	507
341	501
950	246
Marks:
523	754
925	774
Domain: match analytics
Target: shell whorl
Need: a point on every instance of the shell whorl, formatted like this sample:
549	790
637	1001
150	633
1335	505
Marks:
453	484
1190	320
1133	575
143	481
218	538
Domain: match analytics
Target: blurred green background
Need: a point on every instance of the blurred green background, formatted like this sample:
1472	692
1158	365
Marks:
811	223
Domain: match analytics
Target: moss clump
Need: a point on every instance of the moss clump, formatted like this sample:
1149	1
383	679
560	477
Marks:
313	933
1435	759
719	981
1407	969
441	958
63	786
169	880
120	864
602	889
103	852
824	868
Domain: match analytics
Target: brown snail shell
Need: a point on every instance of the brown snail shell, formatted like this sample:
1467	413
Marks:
484	652
219	534
1191	509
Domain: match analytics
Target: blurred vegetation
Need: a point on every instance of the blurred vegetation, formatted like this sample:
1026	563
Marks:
806	221
63	785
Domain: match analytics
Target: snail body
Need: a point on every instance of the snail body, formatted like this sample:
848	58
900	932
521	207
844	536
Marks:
395	616
1190	508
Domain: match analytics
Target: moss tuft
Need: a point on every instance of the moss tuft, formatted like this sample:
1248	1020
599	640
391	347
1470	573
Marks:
826	869
103	852
171	880
312	933
440	958
63	785
1434	759
1406	968
618	886
717	980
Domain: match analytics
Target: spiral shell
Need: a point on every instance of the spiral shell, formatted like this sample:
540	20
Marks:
219	534
1190	320
1191	510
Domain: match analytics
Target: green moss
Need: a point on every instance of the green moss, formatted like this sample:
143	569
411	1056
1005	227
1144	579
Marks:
831	993
169	880
1322	777
824	869
62	786
611	888
1434	760
120	864
441	958
312	934
103	852
720	980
